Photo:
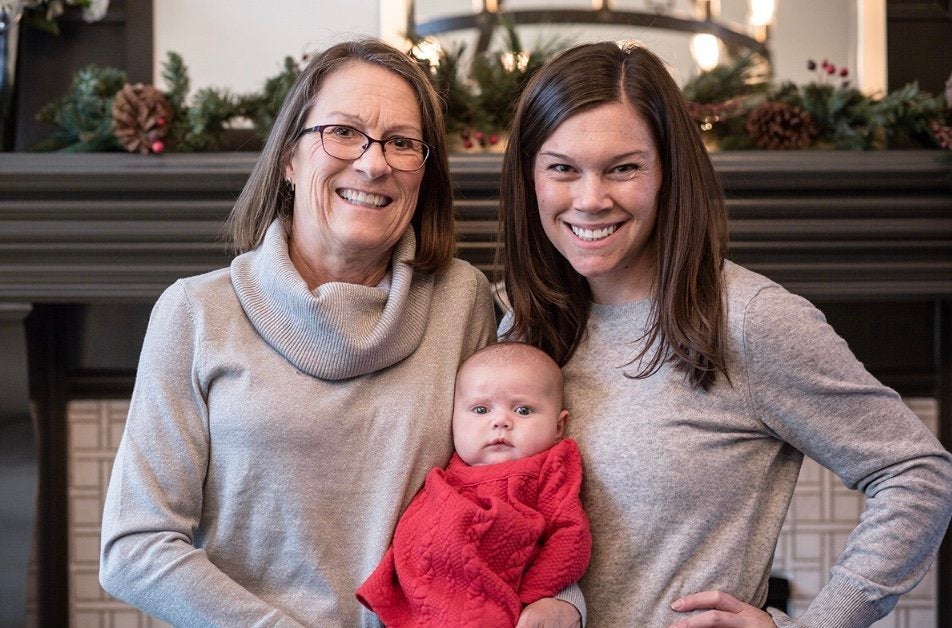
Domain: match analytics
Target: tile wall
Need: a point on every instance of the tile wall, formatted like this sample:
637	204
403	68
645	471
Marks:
821	516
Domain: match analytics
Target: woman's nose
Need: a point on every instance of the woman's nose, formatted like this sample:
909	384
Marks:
373	162
591	195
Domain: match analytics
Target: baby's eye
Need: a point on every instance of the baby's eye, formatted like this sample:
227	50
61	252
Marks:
480	410
523	410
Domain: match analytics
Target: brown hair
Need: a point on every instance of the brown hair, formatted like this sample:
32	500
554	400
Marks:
550	300
266	196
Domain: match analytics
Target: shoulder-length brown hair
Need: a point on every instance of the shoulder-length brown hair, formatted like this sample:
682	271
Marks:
550	301
266	196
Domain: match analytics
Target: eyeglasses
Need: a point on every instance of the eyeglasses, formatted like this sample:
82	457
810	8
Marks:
347	143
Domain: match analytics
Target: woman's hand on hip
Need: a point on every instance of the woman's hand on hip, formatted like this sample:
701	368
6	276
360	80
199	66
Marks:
549	612
723	610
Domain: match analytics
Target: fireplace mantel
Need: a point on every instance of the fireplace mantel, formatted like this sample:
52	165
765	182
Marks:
88	241
102	226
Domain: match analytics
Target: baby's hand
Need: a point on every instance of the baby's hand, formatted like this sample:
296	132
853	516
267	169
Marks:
549	613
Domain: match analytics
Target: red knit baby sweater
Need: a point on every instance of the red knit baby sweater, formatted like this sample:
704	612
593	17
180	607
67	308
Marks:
478	543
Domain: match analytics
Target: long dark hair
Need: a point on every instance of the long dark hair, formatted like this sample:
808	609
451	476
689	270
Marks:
266	196
550	300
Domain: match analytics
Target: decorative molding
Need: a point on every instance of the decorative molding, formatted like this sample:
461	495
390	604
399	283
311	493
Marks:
107	227
924	10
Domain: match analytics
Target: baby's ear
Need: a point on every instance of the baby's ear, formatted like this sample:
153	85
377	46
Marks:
562	422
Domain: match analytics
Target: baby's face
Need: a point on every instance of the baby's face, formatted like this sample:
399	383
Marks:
504	412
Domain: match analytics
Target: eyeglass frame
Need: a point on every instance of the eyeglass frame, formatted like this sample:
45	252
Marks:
319	129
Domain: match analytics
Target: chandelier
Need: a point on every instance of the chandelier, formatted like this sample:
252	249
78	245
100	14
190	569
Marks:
710	33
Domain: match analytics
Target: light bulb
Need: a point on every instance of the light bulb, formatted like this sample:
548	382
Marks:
705	49
761	12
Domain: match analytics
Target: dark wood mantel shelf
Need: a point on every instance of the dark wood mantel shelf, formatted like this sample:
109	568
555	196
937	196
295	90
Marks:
83	228
87	243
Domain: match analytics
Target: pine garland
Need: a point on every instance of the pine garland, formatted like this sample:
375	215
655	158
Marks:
826	113
262	108
82	118
480	102
479	106
102	112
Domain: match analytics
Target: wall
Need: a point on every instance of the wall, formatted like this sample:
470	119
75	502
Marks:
237	44
822	514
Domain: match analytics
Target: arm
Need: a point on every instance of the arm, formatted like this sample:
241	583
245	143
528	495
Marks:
811	392
567	541
154	502
567	549
808	388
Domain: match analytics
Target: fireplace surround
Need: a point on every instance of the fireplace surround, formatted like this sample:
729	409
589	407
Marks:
87	242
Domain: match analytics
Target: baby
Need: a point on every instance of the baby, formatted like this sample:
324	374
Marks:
502	526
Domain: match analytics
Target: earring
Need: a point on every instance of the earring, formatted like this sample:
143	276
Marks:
290	184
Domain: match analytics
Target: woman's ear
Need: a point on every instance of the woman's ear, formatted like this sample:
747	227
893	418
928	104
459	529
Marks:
562	422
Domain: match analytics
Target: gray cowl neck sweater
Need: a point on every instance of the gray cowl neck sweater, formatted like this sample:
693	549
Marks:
338	330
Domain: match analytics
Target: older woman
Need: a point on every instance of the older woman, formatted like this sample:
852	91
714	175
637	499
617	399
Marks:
695	386
287	408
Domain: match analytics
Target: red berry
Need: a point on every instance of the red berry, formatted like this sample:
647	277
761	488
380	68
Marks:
478	135
844	72
831	69
824	64
494	139
464	134
468	144
811	65
158	146
160	121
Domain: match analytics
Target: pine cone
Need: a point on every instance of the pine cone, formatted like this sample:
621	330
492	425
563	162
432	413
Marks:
777	125
140	115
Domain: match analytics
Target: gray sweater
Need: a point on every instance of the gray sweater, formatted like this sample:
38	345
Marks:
275	435
687	490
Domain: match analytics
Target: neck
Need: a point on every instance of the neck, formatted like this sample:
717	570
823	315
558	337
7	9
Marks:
317	271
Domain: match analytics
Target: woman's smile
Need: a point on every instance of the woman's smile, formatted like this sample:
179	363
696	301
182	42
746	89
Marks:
593	234
366	199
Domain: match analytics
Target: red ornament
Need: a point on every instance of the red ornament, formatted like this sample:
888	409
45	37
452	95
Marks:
160	121
158	146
